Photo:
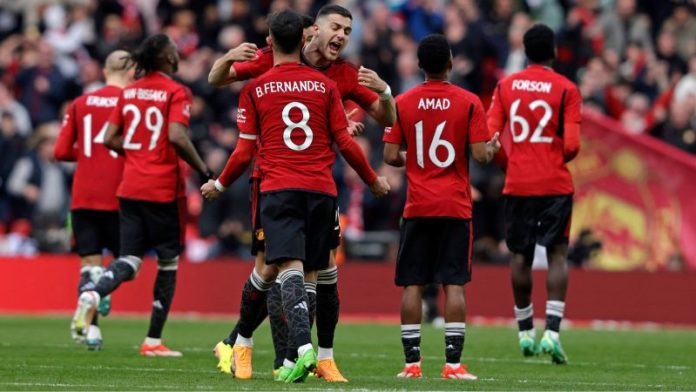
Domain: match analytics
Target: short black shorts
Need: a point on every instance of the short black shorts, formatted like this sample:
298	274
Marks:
258	243
543	220
150	225
298	225
94	231
434	250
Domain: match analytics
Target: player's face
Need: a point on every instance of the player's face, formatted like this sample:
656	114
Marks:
332	33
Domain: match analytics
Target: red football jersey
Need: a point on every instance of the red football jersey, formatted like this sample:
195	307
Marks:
343	73
293	112
153	170
81	139
438	121
534	104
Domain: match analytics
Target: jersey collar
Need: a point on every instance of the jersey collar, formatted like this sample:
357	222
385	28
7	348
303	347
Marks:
538	66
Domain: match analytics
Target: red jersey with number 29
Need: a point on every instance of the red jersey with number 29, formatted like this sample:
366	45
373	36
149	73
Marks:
438	121
533	105
153	170
293	112
99	170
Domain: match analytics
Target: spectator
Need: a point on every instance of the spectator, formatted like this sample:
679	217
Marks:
19	114
11	149
682	24
39	183
41	85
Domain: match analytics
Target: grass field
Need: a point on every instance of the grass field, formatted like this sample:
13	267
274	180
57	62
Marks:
37	353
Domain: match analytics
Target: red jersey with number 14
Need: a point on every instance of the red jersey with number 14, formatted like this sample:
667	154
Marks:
533	105
438	121
153	170
81	139
293	112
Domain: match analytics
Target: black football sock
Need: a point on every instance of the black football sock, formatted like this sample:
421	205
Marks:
554	315
120	270
525	317
410	339
279	326
85	277
165	285
454	342
328	305
296	306
253	308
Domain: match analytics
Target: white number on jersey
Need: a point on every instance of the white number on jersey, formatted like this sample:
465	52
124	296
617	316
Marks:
87	129
432	150
154	126
291	126
524	125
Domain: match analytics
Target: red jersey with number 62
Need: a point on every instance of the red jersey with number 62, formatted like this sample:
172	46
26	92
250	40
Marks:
153	170
99	170
293	112
534	104
438	121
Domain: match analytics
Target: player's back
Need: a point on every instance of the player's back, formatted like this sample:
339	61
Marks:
438	121
534	104
292	103
99	170
152	169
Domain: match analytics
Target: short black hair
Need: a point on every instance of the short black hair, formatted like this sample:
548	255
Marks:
331	9
433	54
539	44
307	21
150	55
286	30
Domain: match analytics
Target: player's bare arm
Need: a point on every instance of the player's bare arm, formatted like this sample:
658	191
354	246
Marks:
184	148
485	151
222	72
382	110
393	155
114	139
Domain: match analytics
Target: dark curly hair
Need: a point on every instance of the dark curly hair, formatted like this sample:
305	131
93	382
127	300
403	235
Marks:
151	54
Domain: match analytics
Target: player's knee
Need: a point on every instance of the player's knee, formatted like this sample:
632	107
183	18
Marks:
170	264
328	275
91	261
267	272
134	262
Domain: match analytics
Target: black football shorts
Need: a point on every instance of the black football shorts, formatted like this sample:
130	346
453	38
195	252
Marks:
149	225
298	225
94	231
434	250
543	220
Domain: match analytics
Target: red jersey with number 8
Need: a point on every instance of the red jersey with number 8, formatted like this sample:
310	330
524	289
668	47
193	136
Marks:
534	105
293	112
438	121
98	172
152	170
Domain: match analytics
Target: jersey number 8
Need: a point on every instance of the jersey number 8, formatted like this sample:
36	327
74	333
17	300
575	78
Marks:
291	126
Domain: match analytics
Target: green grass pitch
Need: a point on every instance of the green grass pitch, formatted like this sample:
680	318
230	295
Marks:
36	353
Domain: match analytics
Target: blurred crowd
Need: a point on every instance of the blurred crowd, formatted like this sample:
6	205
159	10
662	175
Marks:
633	60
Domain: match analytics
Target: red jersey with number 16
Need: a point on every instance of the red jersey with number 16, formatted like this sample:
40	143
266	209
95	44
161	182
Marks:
438	121
534	105
294	113
153	170
81	139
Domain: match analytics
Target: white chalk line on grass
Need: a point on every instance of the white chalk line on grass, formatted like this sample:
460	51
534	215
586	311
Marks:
66	385
539	361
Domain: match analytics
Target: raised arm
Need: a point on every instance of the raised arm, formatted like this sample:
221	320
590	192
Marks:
571	124
222	72
383	110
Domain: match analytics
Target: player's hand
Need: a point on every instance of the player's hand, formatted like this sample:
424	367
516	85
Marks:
380	187
209	191
370	79
354	128
494	143
243	52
